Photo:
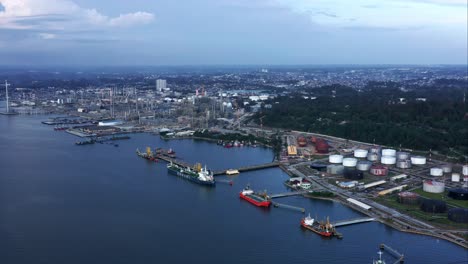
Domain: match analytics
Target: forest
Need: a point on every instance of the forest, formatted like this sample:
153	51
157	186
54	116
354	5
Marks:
419	118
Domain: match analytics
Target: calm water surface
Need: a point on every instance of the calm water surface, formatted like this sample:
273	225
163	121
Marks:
61	203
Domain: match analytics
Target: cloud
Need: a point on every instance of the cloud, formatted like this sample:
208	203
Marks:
443	2
43	14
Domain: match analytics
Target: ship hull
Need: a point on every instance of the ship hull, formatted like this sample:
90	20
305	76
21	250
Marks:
264	203
190	178
315	230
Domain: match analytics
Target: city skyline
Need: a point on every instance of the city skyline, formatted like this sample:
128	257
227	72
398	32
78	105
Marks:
80	32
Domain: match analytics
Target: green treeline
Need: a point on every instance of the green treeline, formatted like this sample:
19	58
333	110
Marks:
387	115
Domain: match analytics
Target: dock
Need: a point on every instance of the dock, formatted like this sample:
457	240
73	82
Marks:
400	258
287	206
353	221
287	194
250	168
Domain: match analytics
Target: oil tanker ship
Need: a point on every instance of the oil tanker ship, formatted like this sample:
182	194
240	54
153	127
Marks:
324	229
258	199
197	175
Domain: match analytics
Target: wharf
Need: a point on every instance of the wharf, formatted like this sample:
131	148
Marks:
353	221
400	257
287	194
250	168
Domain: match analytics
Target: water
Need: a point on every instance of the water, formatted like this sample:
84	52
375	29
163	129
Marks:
61	203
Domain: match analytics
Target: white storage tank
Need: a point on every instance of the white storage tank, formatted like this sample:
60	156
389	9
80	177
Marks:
402	155
350	162
456	177
374	150
363	165
418	160
335	159
403	164
433	186
446	168
360	153
372	156
388	160
388	152
437	172
465	170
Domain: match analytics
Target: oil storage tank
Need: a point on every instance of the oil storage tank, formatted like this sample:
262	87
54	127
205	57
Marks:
379	170
389	152
433	206
436	172
408	198
446	168
400	155
373	156
458	215
431	186
363	165
321	146
353	174
403	164
335	159
360	153
418	160
350	162
455	177
388	160
458	193
335	169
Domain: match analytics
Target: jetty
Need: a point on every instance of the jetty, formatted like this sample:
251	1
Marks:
400	258
250	168
287	194
353	221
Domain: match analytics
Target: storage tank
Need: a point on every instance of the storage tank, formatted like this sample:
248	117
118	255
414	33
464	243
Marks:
388	152
433	206
318	166
418	160
335	159
353	174
447	168
456	177
363	165
379	170
458	193
388	160
459	215
321	146
335	169
436	172
374	150
400	155
465	170
431	186
301	141
408	198
360	153
403	164
350	162
372	156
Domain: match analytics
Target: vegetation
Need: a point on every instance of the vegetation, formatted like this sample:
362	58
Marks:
421	118
442	196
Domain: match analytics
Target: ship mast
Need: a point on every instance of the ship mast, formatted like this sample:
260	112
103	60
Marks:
7	98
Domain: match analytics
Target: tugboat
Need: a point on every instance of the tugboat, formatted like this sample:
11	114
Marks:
196	175
258	199
324	229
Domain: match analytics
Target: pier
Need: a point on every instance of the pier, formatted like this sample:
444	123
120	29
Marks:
250	168
287	194
400	257
287	206
353	221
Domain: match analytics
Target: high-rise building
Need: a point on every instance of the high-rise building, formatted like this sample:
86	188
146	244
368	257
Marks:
160	85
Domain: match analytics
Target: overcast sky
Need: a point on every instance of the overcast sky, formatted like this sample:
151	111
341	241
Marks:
194	32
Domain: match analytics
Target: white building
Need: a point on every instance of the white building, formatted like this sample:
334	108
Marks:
160	85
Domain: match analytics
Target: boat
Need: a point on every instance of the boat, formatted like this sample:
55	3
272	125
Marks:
380	261
324	229
170	152
258	199
197	174
232	172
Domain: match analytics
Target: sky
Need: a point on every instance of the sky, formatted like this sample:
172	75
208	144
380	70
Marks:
232	32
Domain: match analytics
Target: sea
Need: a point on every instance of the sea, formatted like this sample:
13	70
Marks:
63	204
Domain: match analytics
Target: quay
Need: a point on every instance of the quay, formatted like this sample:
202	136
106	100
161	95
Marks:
287	194
353	221
400	257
